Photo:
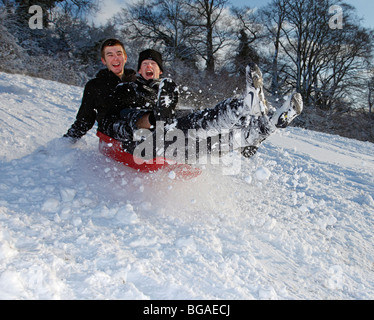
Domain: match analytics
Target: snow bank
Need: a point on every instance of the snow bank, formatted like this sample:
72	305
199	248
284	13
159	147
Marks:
295	223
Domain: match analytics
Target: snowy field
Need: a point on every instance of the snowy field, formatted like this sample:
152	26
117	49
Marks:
297	221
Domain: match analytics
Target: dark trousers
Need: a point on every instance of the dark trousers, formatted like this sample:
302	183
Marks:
191	135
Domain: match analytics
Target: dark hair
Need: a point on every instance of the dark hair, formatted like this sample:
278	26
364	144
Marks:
111	43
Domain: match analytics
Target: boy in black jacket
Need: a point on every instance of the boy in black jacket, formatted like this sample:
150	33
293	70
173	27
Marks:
98	94
149	101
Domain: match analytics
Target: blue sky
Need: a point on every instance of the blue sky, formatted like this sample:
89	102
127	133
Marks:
365	8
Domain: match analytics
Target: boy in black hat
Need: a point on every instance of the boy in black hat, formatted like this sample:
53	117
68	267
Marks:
153	56
137	98
141	104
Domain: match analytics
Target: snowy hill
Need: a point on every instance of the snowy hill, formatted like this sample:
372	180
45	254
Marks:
297	222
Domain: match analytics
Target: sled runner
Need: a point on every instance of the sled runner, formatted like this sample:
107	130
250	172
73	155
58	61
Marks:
112	148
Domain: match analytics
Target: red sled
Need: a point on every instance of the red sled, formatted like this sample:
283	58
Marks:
112	148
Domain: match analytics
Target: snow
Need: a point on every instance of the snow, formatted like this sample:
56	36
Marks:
296	222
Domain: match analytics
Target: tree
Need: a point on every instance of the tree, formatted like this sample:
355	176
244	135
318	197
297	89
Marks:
206	18
245	54
12	55
62	50
249	31
76	8
323	64
160	24
273	17
371	94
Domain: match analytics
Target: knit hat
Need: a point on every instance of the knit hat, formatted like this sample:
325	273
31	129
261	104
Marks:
150	54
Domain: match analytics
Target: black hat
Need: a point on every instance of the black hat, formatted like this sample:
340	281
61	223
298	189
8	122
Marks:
150	54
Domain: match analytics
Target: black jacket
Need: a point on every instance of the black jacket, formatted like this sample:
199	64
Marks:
97	105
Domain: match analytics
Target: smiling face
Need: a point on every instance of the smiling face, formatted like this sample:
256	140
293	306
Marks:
114	58
149	69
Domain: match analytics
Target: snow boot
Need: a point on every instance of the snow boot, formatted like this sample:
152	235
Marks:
248	152
167	100
283	116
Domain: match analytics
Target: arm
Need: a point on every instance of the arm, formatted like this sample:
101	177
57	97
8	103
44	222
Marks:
86	115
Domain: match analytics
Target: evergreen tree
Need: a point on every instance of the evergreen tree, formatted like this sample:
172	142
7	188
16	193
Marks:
245	54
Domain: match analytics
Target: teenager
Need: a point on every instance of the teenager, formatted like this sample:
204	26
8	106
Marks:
98	93
149	101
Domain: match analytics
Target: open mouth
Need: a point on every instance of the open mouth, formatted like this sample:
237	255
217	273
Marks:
149	74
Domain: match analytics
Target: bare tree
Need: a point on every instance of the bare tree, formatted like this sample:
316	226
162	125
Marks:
273	17
185	30
161	24
345	71
322	63
211	33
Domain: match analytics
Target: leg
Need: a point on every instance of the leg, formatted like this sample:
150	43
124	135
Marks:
247	114
266	126
225	115
124	128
